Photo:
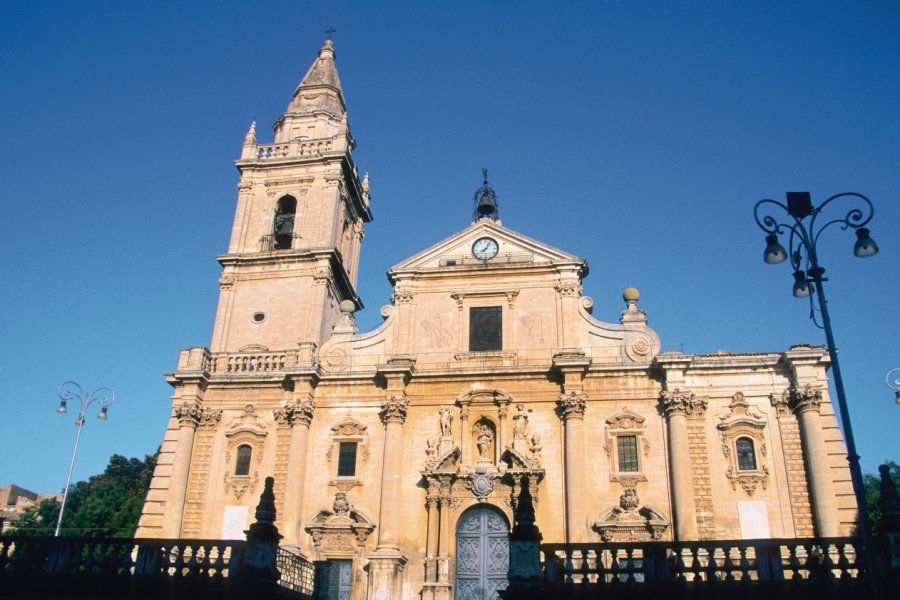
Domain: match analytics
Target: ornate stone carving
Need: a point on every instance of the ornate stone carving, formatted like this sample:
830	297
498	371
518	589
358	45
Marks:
626	422
569	288
394	410
481	484
245	185
321	275
295	412
210	417
799	399
628	522
226	281
430	453
340	531
188	413
240	485
248	422
402	296
572	404
749	480
678	402
484	442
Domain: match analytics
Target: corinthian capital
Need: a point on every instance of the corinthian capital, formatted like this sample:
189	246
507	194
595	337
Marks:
684	403
394	409
298	411
799	399
188	414
572	404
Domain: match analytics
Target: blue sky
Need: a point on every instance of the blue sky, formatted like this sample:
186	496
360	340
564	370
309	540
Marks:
636	135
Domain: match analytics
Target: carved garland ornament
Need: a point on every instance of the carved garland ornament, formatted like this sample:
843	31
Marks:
678	402
797	399
394	410
295	412
194	415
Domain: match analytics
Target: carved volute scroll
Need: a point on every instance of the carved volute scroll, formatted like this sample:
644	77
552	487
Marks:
742	432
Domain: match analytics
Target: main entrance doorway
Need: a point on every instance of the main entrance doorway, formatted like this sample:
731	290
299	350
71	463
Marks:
482	554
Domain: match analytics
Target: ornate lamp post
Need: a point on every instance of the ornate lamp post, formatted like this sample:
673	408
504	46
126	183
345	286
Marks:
804	232
893	380
69	390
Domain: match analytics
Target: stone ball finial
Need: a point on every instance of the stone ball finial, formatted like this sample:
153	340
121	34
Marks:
631	295
347	306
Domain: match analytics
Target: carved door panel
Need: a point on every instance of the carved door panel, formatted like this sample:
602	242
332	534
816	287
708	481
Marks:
482	555
340	576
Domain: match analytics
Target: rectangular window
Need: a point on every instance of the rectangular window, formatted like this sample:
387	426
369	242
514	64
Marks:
346	459
485	329
628	453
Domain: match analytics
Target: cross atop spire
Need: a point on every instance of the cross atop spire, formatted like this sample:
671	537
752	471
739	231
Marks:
330	32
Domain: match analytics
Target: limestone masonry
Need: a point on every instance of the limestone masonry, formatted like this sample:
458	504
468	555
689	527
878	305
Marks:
398	453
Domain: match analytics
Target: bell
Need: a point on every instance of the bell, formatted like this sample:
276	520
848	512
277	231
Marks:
486	207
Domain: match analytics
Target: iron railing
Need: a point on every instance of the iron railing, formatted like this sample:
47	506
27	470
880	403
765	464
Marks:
297	573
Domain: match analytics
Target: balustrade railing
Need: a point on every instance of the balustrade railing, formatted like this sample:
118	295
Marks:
310	148
120	556
251	362
817	559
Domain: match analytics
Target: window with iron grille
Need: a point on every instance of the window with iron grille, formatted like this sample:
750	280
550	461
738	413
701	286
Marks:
628	453
746	454
485	328
346	459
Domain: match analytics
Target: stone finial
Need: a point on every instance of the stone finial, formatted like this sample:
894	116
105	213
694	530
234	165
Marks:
262	540
250	138
632	314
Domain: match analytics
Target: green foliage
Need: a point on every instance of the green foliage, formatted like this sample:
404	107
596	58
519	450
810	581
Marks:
873	485
108	504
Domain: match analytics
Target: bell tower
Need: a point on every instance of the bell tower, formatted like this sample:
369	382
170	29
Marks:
293	257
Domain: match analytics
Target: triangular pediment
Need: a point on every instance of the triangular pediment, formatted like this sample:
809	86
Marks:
456	250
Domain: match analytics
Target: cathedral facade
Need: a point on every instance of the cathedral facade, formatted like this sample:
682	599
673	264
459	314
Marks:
398	453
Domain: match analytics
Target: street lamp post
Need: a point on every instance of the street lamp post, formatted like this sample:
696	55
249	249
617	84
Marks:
808	280
893	380
69	390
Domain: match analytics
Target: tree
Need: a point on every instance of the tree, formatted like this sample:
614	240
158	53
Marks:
872	485
108	504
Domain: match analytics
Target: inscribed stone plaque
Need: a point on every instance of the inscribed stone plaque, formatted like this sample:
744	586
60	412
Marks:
235	522
754	519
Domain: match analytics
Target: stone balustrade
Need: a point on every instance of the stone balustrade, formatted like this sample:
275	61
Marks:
312	149
813	559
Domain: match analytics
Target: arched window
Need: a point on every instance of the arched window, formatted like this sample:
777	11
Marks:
285	212
242	462
746	454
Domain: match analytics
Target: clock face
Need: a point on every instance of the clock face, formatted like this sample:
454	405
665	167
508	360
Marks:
485	248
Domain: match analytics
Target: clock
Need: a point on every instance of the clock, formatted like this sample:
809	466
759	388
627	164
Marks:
485	248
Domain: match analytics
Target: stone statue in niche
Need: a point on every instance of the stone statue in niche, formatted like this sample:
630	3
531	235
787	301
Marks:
446	416
520	423
484	442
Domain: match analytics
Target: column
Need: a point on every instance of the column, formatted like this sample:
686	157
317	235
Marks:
677	406
298	414
188	416
386	563
431	538
502	409
465	436
805	404
445	544
571	407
